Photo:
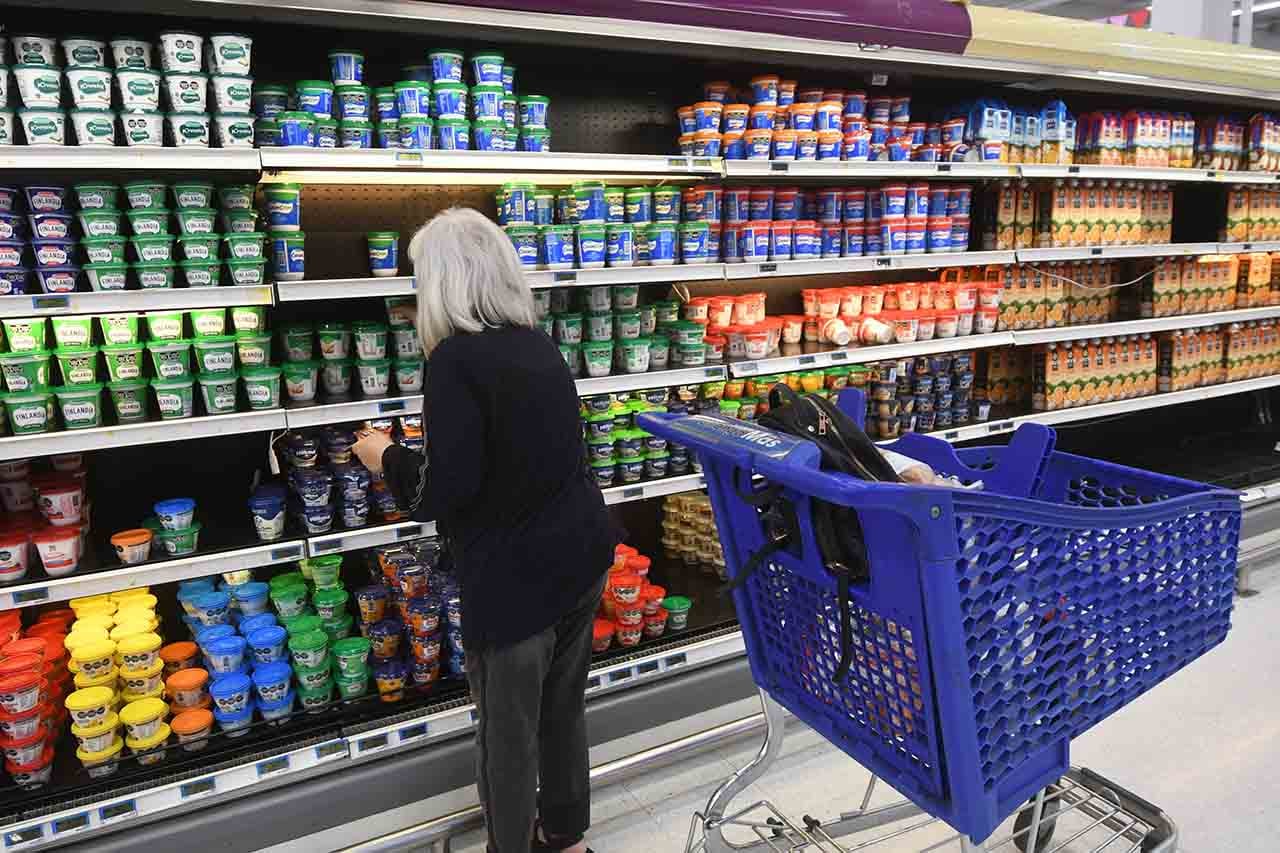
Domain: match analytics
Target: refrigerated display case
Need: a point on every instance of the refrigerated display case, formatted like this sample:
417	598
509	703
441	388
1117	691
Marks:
617	124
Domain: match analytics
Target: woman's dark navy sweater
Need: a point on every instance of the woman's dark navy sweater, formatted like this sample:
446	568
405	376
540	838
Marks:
506	480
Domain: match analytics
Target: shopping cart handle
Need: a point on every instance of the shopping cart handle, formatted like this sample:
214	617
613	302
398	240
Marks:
791	462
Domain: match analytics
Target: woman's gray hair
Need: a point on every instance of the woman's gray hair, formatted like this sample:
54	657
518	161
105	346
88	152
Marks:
469	277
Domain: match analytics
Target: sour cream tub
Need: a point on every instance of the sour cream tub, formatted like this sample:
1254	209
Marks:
186	91
90	87
43	126
128	52
94	127
39	85
232	93
139	89
230	53
181	52
143	128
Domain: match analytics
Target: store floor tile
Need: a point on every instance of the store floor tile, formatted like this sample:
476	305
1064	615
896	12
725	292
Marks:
1202	746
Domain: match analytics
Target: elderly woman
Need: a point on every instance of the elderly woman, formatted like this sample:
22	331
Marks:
505	478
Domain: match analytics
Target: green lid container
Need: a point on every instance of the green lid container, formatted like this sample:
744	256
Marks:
78	366
81	405
175	398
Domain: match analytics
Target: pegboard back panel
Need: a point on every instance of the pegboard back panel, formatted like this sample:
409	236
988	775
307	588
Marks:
335	219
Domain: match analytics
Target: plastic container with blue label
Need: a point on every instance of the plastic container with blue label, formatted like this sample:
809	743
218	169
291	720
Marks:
753	241
412	98
509	78
269	101
389	133
591	245
416	132
385	104
487	67
695	242
288	255
532	139
533	111
355	133
525	240
384	253
446	65
556	247
453	134
663	242
346	66
621	249
450	100
353	100
589	198
487	134
830	239
314	96
297	129
326	133
486	100
284	206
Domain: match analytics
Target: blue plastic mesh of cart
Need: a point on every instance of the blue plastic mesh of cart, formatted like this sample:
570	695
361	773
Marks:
998	624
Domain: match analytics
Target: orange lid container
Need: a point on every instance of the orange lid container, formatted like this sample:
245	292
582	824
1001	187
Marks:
179	651
191	722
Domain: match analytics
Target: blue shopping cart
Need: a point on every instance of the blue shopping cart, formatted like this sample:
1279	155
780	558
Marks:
997	624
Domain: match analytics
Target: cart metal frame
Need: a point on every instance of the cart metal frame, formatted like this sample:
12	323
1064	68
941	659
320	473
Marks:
1087	812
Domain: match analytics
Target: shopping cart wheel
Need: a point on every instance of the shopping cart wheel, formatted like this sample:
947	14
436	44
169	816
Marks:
1048	822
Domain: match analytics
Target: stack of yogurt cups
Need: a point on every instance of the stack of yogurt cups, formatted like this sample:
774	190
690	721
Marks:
128	65
430	108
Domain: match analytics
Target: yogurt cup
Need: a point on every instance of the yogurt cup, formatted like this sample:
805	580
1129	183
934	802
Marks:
176	513
36	49
57	279
186	91
15	554
90	87
43	126
233	131
239	221
346	66
59	549
143	718
130	53
218	391
144	128
62	505
272	678
235	197
14	281
124	361
268	517
232	692
208	322
7	131
25	372
26	750
262	387
383	252
29	412
335	376
253	350
193	728
284	206
181	52
73	333
233	94
370	340
409	375
133	546
288	255
309	649
230	53
300	379
174	397
153	275
139	89
33	775
26	334
150	750
298	340
207	273
170	359
100	737
94	126
129	400
78	367
39	85
188	130
375	376
81	405
18	496
246	271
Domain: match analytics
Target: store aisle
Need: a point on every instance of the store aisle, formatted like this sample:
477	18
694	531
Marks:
1203	746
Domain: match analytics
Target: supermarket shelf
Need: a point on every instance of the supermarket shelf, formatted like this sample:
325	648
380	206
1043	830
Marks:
1240	248
1137	327
356	410
354	540
30	593
1084	253
1131	173
874	263
655	379
604	678
345	288
860	355
127	435
853	170
52	159
1102	410
653	489
625	275
303	163
104	301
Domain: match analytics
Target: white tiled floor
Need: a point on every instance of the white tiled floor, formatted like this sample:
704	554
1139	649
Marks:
1205	747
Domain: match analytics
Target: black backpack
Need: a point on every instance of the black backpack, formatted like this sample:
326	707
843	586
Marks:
845	448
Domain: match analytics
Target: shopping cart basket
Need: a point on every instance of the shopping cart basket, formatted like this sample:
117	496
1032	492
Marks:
997	624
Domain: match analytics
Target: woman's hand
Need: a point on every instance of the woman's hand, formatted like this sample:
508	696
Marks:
369	448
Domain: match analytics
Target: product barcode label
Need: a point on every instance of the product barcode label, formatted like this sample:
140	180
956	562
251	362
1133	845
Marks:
27	596
391	406
272	766
332	749
198	788
715	373
50	303
292	552
566	276
413	732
